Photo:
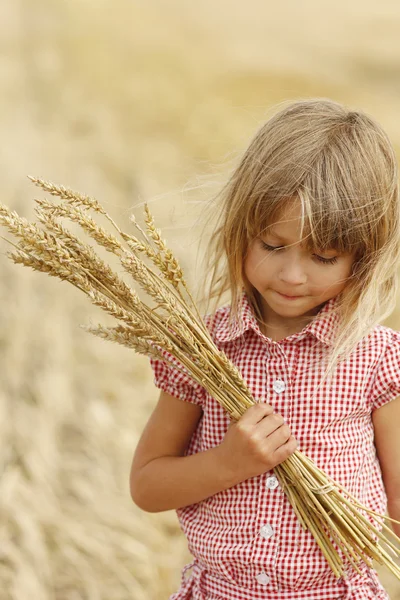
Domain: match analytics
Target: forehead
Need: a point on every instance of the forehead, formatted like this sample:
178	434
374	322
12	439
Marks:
291	234
291	223
287	215
287	224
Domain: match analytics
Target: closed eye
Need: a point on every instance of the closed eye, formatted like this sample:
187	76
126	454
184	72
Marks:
328	261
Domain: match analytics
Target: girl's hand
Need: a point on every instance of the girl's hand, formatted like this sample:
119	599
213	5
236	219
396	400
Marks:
256	443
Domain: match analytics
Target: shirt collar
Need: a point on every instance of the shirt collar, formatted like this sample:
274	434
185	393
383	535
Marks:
323	327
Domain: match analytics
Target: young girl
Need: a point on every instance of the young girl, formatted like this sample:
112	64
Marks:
308	246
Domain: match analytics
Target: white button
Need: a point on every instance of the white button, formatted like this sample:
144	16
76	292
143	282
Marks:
267	531
262	578
272	483
279	386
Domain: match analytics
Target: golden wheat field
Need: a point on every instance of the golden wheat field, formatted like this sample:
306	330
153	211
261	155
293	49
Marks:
131	102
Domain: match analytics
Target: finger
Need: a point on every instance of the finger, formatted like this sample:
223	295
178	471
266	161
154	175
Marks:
279	437
284	451
269	424
256	413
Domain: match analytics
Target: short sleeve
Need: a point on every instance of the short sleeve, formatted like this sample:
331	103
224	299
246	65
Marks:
386	383
176	383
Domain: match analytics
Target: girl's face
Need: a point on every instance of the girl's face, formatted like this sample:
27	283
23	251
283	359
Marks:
310	278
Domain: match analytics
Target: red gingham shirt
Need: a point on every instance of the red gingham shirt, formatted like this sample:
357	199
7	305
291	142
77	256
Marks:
246	541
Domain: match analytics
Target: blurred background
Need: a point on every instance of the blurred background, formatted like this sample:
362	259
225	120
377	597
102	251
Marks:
132	101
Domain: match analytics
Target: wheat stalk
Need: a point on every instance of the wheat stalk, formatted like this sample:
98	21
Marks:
174	331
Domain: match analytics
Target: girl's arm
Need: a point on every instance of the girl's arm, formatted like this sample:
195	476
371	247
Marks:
386	422
162	478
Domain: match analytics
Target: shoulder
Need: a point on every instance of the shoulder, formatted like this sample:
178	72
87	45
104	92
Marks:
381	337
384	385
379	347
387	340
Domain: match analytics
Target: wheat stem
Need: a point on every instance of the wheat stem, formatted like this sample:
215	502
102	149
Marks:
174	332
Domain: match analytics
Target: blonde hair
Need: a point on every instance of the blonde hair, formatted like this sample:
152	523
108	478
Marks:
342	166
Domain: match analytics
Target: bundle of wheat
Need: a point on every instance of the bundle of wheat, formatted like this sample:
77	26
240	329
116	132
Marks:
174	327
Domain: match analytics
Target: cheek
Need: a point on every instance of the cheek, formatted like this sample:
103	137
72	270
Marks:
246	264
334	279
254	263
345	272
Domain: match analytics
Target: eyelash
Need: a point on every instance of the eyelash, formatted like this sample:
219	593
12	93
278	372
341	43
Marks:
325	261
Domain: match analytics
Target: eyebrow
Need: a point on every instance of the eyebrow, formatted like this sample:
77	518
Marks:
276	235
272	232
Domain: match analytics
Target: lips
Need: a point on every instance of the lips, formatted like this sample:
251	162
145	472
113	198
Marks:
288	295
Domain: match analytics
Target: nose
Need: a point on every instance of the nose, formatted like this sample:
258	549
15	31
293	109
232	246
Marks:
292	272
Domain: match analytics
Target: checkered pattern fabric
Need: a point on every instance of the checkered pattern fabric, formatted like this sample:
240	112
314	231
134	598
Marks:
246	541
